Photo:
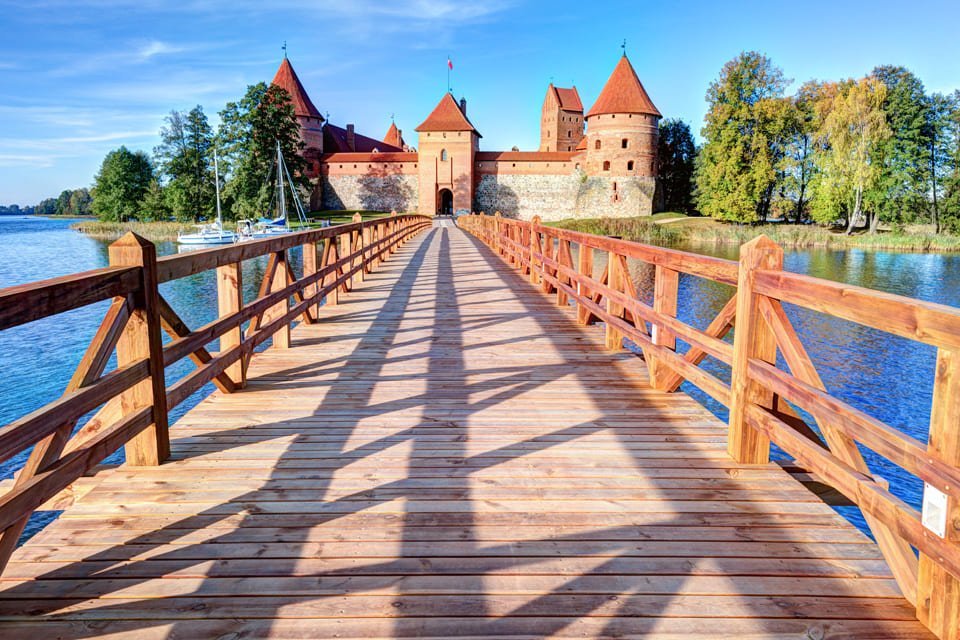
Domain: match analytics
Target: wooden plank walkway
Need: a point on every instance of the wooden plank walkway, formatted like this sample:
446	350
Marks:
447	454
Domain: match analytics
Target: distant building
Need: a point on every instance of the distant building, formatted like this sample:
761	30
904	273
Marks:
601	164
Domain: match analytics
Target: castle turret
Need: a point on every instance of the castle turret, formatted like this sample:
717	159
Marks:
309	118
622	127
561	119
447	145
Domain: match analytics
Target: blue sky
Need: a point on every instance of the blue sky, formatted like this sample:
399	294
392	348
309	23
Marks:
81	77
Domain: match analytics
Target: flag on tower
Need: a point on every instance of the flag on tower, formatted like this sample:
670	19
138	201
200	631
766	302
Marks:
449	64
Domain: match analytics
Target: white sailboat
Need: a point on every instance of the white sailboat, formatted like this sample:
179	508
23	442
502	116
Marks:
211	233
270	227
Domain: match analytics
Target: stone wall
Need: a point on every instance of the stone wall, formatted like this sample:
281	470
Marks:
523	196
370	192
554	197
615	197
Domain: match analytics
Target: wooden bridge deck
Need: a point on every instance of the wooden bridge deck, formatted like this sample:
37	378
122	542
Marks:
448	454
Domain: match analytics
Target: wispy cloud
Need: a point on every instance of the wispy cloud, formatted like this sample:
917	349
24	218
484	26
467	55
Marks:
156	48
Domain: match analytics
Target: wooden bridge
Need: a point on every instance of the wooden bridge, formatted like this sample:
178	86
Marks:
451	446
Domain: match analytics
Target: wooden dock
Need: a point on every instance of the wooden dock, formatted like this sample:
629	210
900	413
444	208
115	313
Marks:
448	453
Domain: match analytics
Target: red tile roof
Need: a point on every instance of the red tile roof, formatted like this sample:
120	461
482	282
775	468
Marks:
524	156
286	78
392	156
446	116
335	140
393	136
582	145
569	99
623	93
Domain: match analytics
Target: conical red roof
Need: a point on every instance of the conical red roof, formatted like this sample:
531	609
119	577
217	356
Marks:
623	93
393	136
286	78
446	116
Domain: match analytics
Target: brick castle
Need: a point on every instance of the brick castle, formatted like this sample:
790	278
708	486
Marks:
602	163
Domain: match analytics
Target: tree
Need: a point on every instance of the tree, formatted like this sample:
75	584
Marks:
80	202
900	193
799	166
676	156
154	205
120	185
46	207
852	130
185	158
745	132
950	205
63	202
249	132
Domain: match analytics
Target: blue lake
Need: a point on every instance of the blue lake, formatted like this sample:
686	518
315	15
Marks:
888	377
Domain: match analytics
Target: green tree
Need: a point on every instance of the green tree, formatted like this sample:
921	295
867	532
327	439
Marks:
185	159
950	159
80	202
676	157
248	135
745	138
154	205
63	202
799	165
853	128
900	194
120	185
46	207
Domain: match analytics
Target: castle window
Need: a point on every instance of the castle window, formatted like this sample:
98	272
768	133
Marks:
629	165
569	134
354	166
623	143
596	145
443	155
614	187
606	165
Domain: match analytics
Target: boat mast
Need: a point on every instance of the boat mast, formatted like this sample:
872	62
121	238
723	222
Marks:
281	199
216	178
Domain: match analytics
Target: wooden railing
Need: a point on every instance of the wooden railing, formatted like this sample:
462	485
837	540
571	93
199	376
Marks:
760	393
134	399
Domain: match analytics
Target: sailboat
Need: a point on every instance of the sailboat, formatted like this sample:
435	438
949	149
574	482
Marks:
270	227
211	233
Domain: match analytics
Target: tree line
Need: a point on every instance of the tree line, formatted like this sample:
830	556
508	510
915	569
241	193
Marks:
857	152
177	180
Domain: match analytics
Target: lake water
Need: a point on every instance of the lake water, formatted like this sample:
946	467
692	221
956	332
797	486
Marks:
888	377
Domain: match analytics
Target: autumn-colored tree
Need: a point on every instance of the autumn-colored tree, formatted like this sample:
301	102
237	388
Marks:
853	129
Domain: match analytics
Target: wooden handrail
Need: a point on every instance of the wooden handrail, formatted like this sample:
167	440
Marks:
134	398
758	390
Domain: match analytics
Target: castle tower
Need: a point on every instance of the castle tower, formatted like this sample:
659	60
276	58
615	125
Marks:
394	137
622	128
448	143
561	119
311	122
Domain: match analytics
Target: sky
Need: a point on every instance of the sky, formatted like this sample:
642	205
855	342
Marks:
81	77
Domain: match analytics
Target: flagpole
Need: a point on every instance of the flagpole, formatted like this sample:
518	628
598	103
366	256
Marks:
448	74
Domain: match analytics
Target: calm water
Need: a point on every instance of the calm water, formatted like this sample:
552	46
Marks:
888	377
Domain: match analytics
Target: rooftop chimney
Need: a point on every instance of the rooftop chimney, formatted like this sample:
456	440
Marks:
463	106
351	138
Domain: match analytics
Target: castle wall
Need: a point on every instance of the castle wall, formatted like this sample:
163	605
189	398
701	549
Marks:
555	195
350	183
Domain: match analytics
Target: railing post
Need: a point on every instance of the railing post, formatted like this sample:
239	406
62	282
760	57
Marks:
281	339
360	247
330	257
141	339
938	590
496	233
752	338
585	269
613	338
535	248
310	268
229	302
346	248
666	285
